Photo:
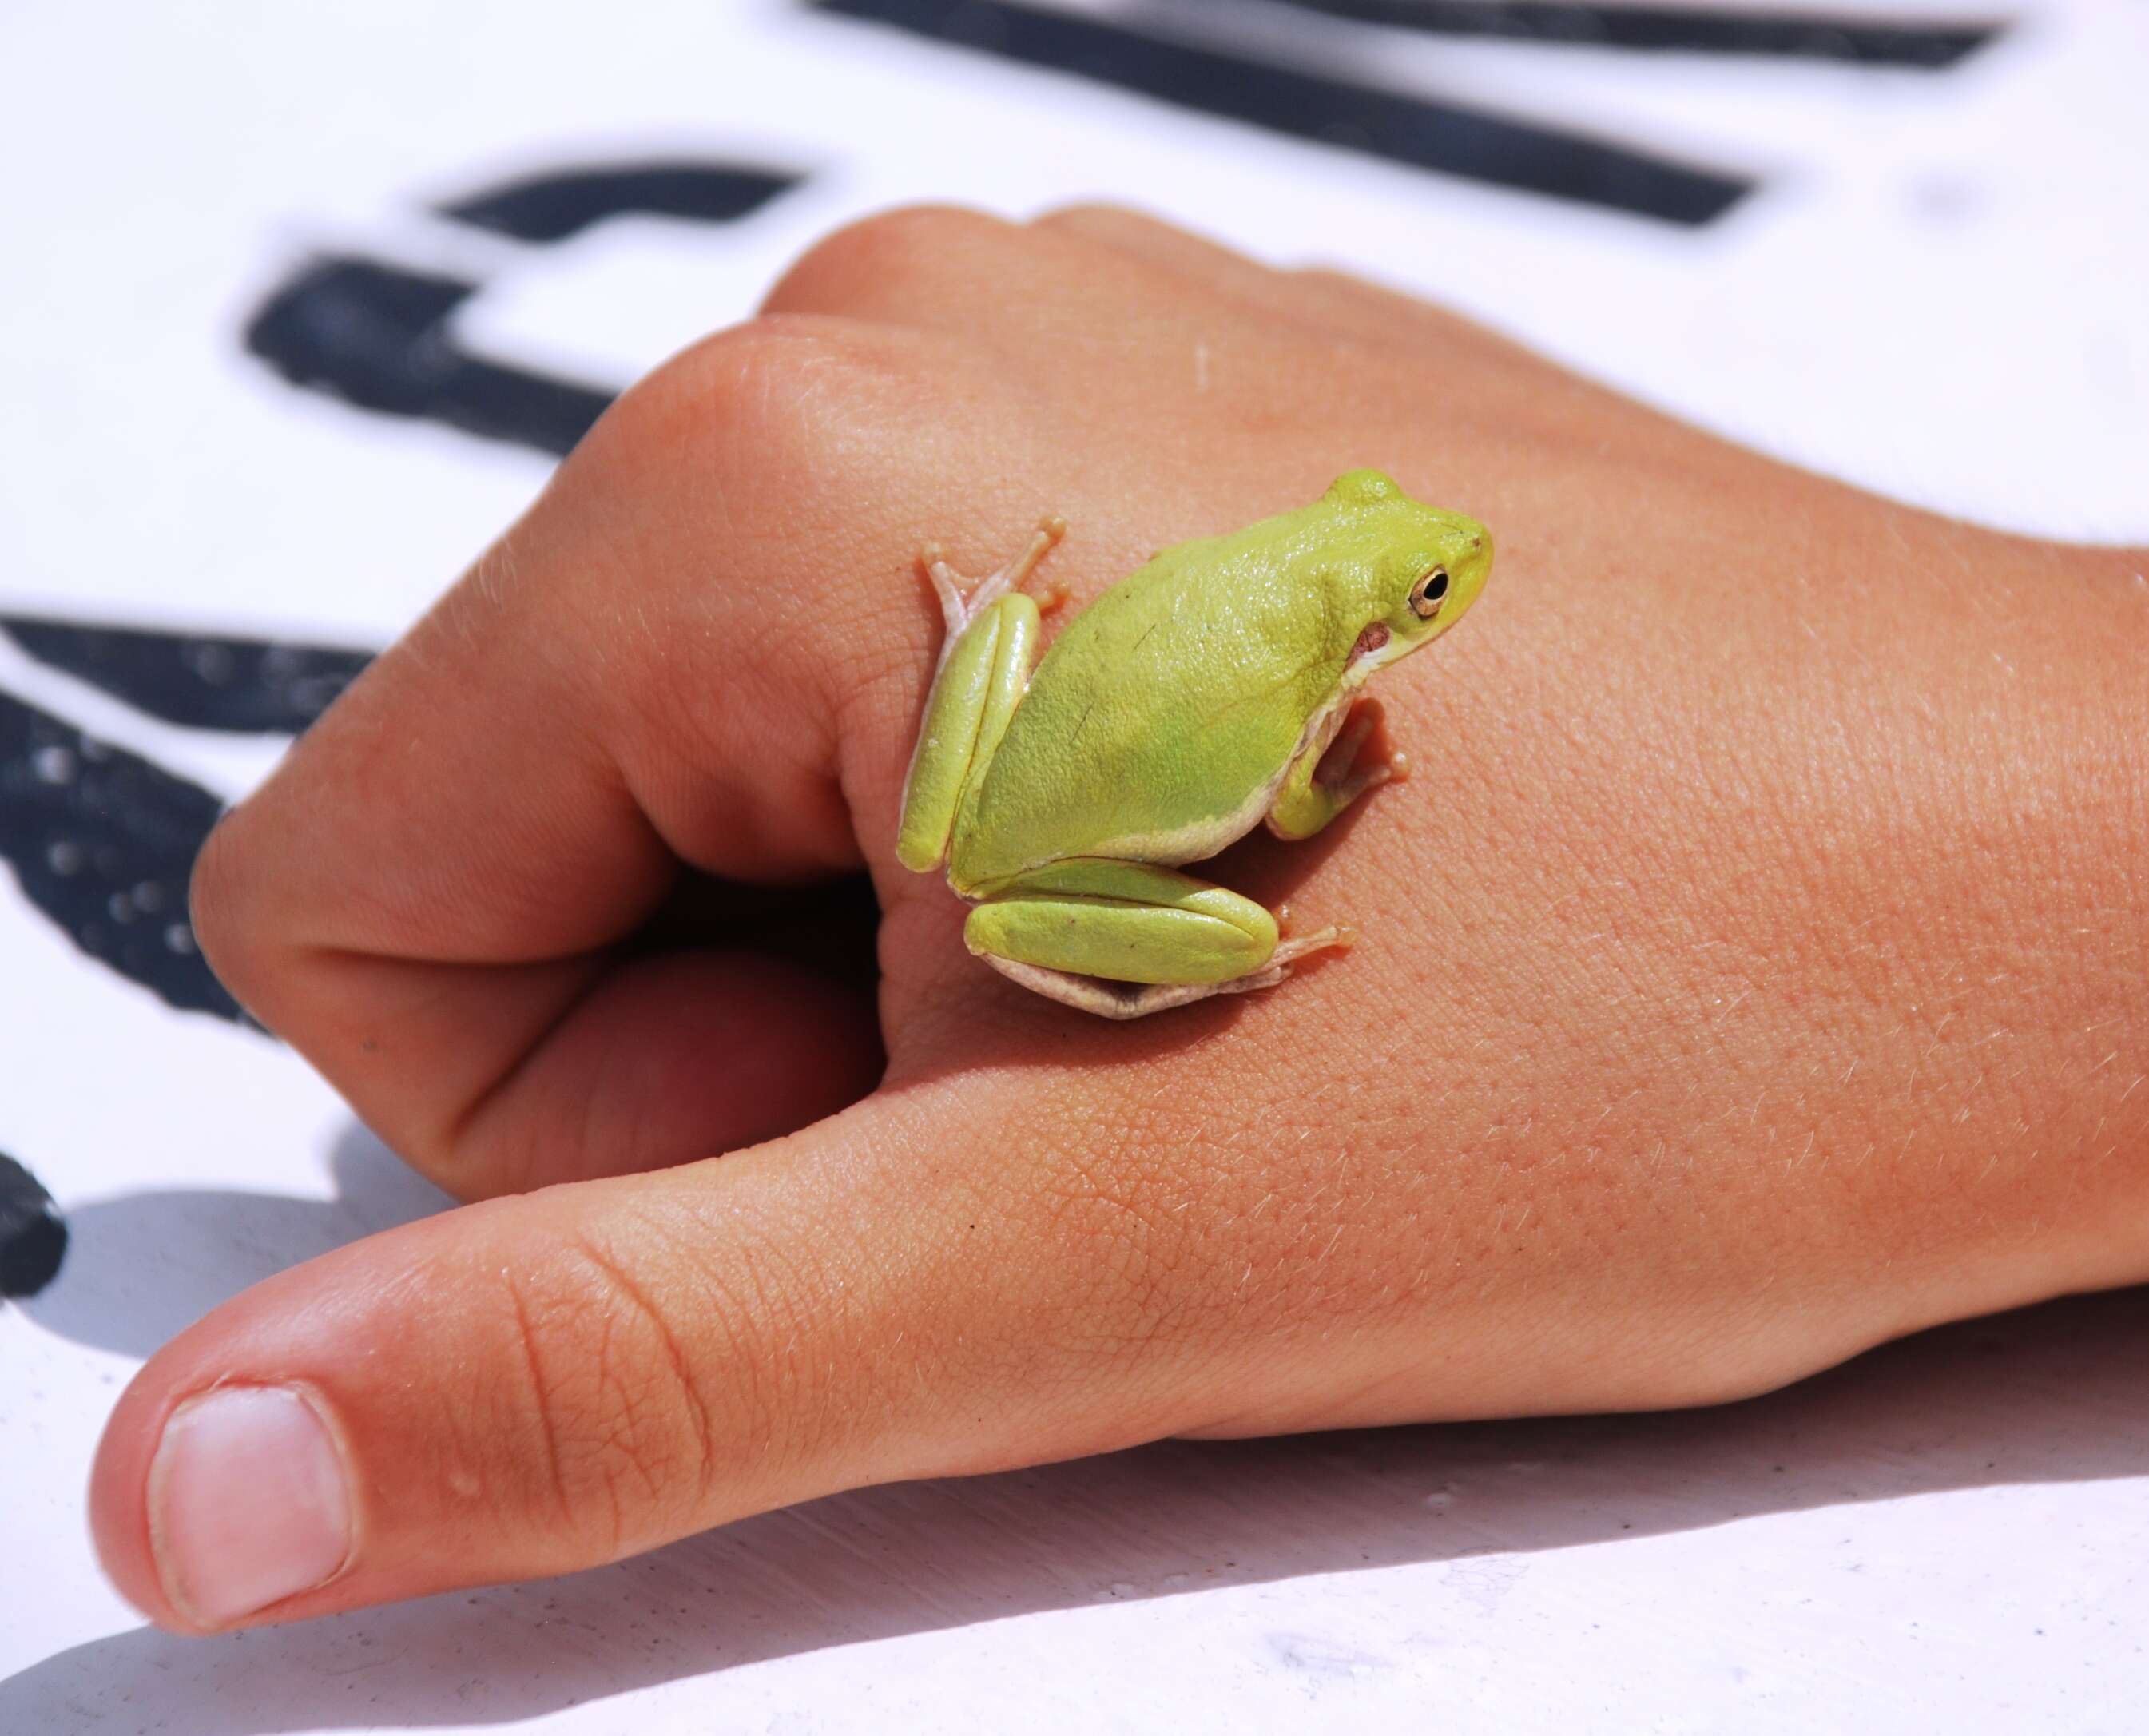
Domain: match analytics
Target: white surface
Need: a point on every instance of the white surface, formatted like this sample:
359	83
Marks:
1939	291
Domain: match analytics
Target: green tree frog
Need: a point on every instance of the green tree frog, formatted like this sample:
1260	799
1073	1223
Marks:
1208	689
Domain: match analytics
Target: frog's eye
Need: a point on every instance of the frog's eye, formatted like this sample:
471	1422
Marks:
1425	595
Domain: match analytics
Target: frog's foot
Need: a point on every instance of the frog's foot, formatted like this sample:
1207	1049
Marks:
1335	937
959	611
1108	1000
1346	753
1346	769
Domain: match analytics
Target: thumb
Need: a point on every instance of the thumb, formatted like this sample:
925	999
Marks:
546	1382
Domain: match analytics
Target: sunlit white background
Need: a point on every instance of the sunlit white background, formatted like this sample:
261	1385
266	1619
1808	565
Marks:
1937	290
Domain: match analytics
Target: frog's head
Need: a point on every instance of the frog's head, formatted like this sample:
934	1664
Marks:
1428	565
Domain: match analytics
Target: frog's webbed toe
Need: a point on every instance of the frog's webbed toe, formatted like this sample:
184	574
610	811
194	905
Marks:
959	611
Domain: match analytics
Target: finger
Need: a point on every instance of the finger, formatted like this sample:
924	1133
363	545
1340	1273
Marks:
1315	298
1165	321
1037	293
429	897
1516	385
544	1383
1193	260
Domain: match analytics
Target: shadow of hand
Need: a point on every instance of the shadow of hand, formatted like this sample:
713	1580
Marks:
2050	1394
144	1265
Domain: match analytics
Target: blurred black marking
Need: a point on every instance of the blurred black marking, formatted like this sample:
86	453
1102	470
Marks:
1382	124
1794	35
254	686
378	337
33	1235
552	207
103	844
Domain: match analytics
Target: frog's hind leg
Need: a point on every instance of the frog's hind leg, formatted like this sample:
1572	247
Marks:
959	610
982	672
1108	1000
1123	939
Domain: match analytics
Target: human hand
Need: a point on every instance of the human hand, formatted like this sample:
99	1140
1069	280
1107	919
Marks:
1752	972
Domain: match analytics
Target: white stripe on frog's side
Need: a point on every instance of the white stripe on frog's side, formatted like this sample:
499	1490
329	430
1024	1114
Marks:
1203	837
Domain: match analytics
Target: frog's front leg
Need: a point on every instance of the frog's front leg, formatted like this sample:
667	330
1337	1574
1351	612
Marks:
985	659
1123	939
1325	777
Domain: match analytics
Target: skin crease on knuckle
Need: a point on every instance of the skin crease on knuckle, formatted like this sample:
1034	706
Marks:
657	1391
641	1420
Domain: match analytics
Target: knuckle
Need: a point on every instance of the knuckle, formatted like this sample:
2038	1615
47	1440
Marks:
621	1454
1089	216
887	256
769	400
224	895
757	446
633	1422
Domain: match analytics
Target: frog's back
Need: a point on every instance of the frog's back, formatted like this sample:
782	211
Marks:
1162	715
